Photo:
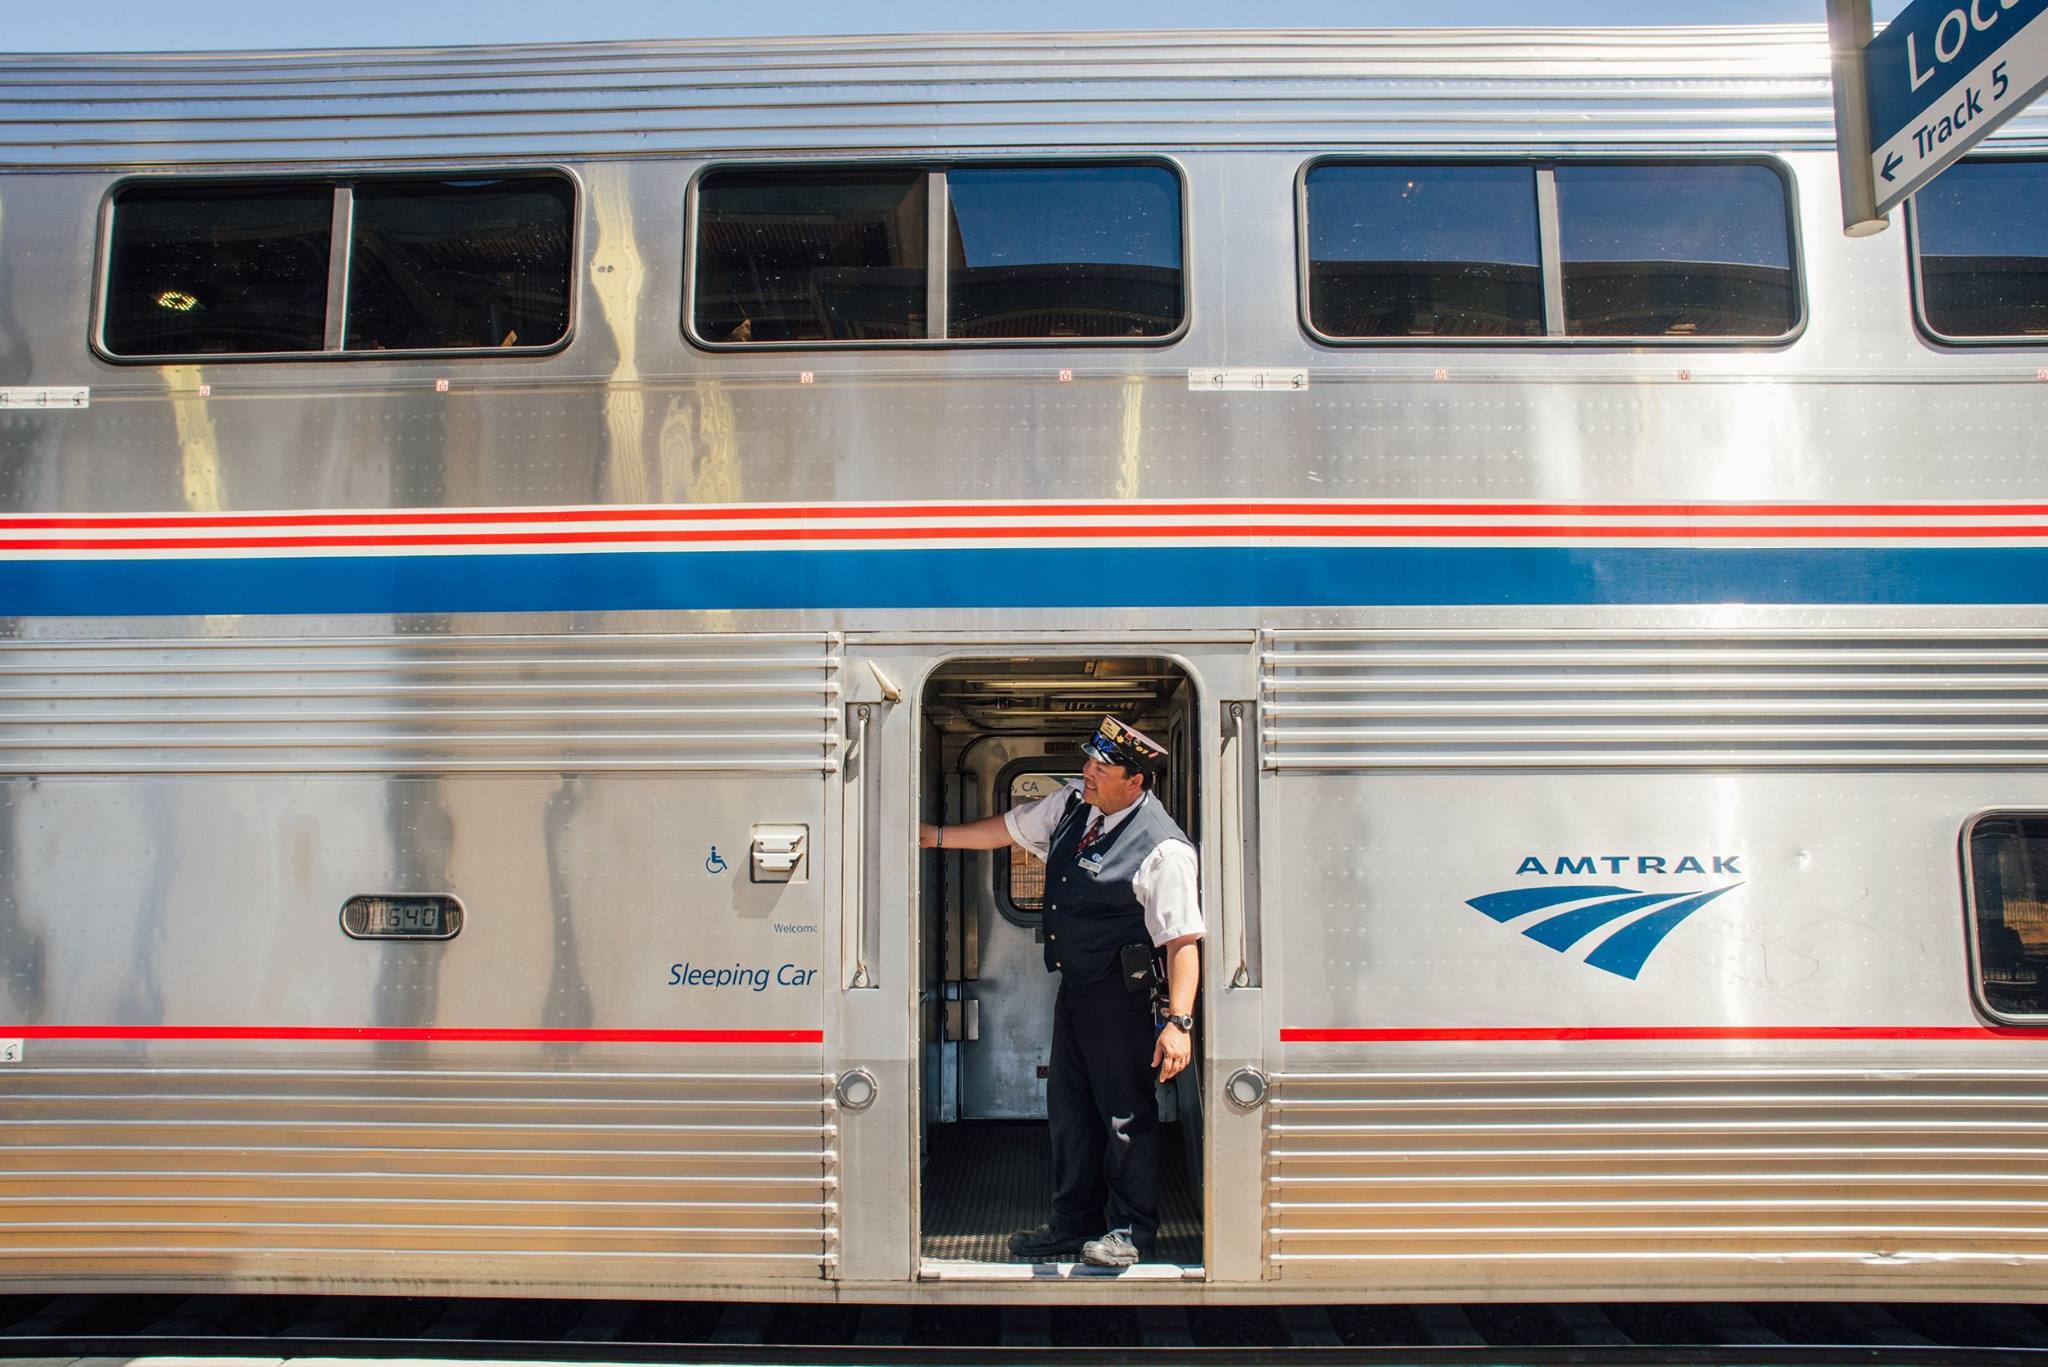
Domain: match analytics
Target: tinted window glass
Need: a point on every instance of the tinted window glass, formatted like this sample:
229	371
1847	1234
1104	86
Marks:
1423	251
1982	232
2009	890
1074	251
805	256
472	263
1675	251
218	269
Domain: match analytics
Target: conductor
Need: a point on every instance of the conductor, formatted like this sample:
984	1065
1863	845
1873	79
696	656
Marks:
1121	913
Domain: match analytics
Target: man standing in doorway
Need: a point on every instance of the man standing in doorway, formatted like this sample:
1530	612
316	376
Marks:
1120	899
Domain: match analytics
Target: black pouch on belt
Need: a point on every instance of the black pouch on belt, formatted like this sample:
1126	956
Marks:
1137	968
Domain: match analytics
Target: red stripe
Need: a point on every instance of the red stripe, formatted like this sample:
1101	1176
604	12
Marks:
457	1034
1582	1033
823	512
1262	531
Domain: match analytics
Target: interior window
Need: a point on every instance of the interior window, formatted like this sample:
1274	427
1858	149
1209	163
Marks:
1423	251
804	255
1980	232
2008	880
1675	251
1023	882
218	269
460	263
1063	251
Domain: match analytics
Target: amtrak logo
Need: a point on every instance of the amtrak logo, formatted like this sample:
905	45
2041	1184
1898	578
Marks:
1632	922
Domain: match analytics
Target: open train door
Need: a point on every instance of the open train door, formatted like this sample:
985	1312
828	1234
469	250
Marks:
944	992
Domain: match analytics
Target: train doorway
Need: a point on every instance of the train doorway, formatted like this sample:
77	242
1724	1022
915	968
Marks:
998	733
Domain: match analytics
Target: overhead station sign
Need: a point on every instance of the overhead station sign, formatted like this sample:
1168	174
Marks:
1940	77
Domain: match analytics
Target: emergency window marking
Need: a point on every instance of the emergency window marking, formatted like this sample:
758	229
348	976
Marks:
1979	234
299	269
1476	252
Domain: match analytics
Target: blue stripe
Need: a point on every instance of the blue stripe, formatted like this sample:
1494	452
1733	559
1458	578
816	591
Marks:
1506	906
1019	577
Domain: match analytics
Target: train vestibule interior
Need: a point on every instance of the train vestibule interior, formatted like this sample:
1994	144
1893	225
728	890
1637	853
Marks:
1000	732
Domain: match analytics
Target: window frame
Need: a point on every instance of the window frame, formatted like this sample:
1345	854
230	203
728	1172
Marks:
1549	249
341	245
1971	947
937	202
1917	285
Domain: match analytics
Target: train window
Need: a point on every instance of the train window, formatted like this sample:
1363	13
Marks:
2006	877
810	255
459	263
1980	250
1020	875
252	269
208	270
1063	251
1701	250
1423	251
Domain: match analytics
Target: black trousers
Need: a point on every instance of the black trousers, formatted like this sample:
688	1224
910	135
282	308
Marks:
1102	1112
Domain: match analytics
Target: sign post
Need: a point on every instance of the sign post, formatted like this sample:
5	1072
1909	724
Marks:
1848	35
1938	79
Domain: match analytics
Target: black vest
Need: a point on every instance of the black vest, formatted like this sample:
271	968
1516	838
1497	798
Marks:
1091	914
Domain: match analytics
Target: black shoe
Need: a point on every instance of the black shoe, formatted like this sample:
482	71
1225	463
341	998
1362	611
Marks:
1046	1243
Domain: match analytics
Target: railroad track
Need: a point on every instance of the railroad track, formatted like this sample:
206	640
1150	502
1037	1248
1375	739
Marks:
273	1327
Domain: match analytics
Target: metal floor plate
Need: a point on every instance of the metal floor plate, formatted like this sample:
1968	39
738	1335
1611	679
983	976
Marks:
984	1180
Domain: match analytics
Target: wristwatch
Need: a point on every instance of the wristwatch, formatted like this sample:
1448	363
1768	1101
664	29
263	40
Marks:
1186	1023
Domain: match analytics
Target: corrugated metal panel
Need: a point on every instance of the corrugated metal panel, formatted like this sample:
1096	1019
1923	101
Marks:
1474	87
1781	1164
1577	698
592	703
112	1171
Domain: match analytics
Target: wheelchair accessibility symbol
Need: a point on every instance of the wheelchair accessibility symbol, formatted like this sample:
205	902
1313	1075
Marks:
714	864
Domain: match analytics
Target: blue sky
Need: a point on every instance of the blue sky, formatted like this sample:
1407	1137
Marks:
154	25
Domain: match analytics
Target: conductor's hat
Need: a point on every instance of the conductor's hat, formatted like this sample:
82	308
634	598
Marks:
1116	742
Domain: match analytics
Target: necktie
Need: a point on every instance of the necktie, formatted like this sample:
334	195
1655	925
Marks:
1092	834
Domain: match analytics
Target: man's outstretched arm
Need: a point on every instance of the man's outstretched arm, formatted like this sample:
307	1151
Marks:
989	833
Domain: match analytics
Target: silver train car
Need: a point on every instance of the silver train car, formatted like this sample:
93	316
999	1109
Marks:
500	548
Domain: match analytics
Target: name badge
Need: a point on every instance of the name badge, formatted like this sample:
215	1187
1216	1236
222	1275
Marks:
1089	865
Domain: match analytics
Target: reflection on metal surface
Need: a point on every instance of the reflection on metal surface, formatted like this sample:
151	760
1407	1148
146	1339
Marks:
123	1170
420	704
1799	1165
1597	698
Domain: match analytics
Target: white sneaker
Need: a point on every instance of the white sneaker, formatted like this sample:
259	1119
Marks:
1114	1249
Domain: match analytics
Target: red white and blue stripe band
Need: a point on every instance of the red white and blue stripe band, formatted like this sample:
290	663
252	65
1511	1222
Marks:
1165	554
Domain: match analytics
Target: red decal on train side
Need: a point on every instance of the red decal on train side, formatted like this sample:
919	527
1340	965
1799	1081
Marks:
454	1034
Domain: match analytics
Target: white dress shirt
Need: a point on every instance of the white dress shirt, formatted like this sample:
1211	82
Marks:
1165	882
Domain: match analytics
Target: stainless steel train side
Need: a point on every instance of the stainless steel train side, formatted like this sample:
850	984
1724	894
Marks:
1449	624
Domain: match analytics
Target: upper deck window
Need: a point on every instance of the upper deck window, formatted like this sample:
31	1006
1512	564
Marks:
218	270
249	270
1476	251
2006	870
459	263
811	256
1068	251
1424	251
1675	251
984	253
1980	249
